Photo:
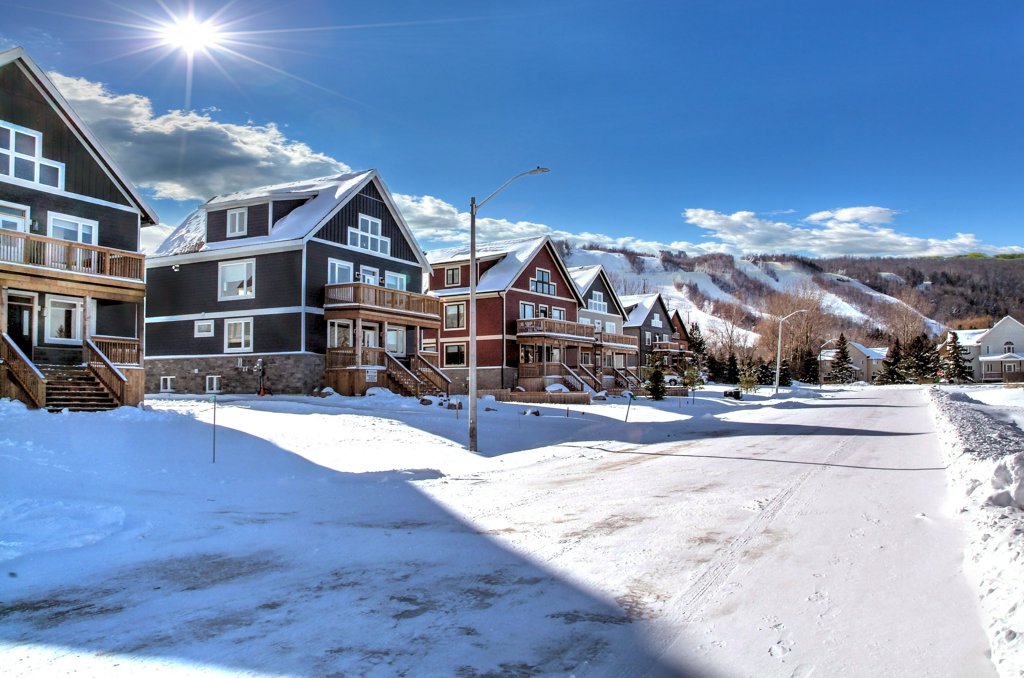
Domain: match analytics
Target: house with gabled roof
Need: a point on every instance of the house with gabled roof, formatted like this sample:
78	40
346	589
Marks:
307	284
528	329
650	322
613	349
867	361
995	354
72	273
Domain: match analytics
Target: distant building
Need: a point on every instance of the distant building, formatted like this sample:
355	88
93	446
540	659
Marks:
995	354
867	362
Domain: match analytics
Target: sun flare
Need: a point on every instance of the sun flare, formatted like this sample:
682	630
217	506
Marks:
191	36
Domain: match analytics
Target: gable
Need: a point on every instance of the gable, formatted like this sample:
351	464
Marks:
25	104
369	202
546	259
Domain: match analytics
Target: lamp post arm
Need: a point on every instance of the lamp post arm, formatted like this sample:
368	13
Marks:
778	353
537	170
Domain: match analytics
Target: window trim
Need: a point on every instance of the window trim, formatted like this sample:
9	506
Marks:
76	321
383	242
242	212
221	265
549	288
533	310
376	274
333	264
597	303
79	222
555	310
457	277
647	338
461	344
342	322
227	334
217	388
402	277
37	159
167	383
656	320
26	220
454	304
197	333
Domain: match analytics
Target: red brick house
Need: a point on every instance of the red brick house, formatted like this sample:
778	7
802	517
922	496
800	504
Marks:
528	332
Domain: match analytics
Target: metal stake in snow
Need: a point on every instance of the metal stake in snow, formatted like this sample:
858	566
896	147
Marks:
213	399
628	404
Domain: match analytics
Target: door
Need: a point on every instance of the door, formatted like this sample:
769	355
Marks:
396	341
19	322
369	276
370	336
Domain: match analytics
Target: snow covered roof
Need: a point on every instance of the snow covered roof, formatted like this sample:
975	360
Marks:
970	337
149	215
1006	357
880	353
324	197
639	306
584	276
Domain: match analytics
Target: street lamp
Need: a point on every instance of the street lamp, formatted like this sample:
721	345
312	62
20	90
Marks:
473	207
778	354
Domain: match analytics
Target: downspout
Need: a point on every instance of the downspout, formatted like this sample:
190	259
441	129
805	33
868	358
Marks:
504	342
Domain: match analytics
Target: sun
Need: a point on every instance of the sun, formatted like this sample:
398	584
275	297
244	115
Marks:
191	36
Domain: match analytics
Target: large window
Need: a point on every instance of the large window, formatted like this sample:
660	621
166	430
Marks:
73	229
597	302
647	338
557	313
395	281
525	310
238	335
237	280
454	355
21	157
338	272
63	320
455	316
13	217
368	236
656	320
238	222
339	334
541	283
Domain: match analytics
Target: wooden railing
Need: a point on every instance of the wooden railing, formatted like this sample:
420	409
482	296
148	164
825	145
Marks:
62	255
120	350
668	346
533	326
621	339
360	294
534	370
573	380
23	370
109	376
595	381
428	373
625	378
401	374
340	358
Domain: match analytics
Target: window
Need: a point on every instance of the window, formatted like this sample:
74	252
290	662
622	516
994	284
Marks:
1009	367
455	316
21	157
609	327
338	272
597	302
452	277
656	320
542	311
558	313
395	281
541	284
203	328
647	338
368	275
237	280
394	340
339	333
454	355
238	335
213	383
63	320
72	229
585	358
429	346
167	384
1008	347
237	222
13	217
597	325
368	237
525	310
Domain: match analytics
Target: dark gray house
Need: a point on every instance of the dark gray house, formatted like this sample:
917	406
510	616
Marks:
650	322
320	279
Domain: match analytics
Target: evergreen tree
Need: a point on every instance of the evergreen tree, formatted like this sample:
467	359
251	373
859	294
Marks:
785	374
808	367
732	370
921	360
656	380
842	365
698	346
891	372
765	375
956	368
715	369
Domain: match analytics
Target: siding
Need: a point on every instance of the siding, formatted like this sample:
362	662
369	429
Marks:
115	319
193	288
24	104
257	223
283	208
368	202
271	334
117	228
317	255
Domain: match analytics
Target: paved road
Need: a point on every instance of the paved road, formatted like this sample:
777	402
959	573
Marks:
805	539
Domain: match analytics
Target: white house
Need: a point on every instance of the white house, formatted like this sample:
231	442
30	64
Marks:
866	361
994	354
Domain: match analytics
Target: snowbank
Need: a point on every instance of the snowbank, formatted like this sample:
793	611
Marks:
986	462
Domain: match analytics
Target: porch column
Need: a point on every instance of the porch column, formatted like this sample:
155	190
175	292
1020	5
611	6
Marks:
3	310
86	303
358	341
140	330
384	343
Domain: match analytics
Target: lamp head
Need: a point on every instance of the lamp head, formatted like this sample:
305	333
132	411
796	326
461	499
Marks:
539	170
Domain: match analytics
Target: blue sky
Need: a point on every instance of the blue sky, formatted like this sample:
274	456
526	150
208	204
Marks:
743	126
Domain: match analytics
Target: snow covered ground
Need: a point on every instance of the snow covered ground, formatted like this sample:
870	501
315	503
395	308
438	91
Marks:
790	536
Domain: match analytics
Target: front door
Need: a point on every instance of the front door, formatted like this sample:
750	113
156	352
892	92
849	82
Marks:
19	322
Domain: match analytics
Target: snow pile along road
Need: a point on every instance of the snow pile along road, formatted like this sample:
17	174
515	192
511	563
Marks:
986	457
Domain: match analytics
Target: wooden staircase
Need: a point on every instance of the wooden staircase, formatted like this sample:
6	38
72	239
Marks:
75	388
419	379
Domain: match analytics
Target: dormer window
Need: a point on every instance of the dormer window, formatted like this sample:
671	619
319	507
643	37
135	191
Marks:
541	284
368	236
656	320
1008	347
597	302
21	157
238	222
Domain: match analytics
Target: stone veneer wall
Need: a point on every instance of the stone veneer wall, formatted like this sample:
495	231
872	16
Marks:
297	373
487	378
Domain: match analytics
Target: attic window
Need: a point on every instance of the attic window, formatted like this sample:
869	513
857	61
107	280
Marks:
1008	347
656	320
237	222
21	157
542	284
368	237
597	302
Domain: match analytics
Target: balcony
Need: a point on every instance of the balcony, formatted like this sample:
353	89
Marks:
70	257
618	341
667	347
555	329
361	296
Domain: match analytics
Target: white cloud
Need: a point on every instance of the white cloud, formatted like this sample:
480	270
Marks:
852	215
185	155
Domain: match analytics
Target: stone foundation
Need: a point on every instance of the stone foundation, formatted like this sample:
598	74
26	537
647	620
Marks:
293	374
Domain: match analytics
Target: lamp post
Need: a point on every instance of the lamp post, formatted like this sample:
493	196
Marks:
778	354
473	207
